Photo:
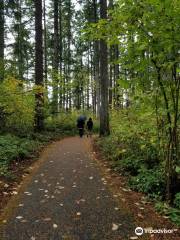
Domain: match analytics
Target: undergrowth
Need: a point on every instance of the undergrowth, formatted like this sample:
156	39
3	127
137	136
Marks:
133	150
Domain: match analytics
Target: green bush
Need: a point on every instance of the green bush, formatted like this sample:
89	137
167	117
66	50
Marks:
177	200
15	148
132	149
17	106
172	213
65	123
150	181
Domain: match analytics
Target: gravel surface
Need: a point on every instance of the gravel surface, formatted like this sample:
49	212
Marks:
67	198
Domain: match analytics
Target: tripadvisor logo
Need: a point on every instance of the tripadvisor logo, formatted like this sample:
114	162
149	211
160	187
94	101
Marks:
139	231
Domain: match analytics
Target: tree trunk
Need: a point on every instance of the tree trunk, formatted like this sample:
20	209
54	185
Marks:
20	39
104	111
96	66
60	56
45	48
1	40
55	58
39	95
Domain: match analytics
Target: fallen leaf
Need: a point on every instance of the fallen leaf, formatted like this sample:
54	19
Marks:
14	193
23	221
19	217
136	203
114	227
115	196
55	225
125	190
47	219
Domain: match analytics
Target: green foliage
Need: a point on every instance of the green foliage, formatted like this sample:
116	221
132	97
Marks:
177	200
13	147
17	105
172	213
150	182
133	149
64	123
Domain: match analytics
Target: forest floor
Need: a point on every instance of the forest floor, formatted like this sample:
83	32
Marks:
71	193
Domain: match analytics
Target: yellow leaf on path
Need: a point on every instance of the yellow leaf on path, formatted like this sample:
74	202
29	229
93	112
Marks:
55	225
115	227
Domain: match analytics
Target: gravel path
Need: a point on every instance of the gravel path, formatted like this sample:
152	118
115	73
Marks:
68	199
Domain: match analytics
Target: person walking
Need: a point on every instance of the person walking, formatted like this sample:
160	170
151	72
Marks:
80	126
89	127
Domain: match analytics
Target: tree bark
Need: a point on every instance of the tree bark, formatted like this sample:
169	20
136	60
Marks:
96	66
39	95
104	111
55	58
1	40
45	47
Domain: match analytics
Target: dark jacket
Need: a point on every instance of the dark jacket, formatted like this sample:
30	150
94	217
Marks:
89	124
80	124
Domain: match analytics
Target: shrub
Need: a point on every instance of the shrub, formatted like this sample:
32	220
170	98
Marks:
150	181
177	200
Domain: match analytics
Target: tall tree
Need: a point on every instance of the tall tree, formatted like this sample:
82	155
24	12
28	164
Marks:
1	40
55	58
39	95
45	46
96	64
104	109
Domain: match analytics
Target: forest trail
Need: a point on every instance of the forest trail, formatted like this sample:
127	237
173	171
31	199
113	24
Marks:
67	198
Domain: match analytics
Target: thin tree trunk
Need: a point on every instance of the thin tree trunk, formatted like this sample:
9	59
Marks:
1	40
104	111
60	56
55	58
69	55
96	66
39	95
45	48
